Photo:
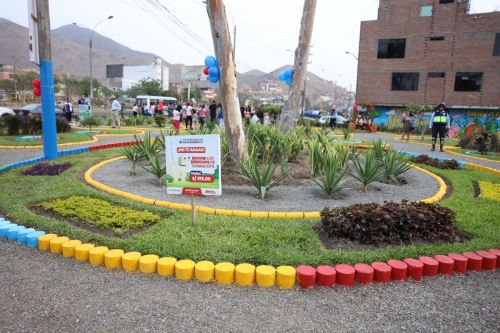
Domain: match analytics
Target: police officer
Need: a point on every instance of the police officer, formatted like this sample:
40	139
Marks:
440	122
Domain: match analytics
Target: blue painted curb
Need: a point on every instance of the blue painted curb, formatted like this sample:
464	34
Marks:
32	239
5	228
13	231
21	235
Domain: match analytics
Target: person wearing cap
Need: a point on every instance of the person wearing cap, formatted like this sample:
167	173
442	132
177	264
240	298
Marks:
440	123
115	112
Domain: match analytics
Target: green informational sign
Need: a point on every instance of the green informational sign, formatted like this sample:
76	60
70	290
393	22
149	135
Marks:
193	164
84	111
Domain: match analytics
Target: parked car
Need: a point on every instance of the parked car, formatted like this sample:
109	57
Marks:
341	121
6	111
37	109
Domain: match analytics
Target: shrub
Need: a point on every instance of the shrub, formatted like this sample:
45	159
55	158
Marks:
13	124
262	180
332	175
160	119
62	125
395	164
392	223
100	213
367	173
90	121
434	162
47	169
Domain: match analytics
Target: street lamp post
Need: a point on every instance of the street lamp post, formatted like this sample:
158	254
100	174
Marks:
91	36
355	57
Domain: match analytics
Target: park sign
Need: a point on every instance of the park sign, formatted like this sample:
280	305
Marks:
193	165
193	73
83	111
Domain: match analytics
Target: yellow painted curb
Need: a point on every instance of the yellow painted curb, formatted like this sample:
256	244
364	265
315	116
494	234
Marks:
285	277
96	255
56	244
68	248
482	168
82	251
113	258
147	263
451	151
130	261
44	241
442	187
219	211
184	269
166	266
224	273
245	275
204	271
265	276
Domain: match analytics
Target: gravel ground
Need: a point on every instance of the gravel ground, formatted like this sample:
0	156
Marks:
422	149
41	292
304	197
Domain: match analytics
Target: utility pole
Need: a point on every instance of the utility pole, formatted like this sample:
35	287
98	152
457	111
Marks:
234	43
46	80
291	111
227	79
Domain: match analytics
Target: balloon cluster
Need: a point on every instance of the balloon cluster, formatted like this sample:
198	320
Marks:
212	69
286	76
36	85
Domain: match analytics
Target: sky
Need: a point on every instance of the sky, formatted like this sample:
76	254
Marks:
267	30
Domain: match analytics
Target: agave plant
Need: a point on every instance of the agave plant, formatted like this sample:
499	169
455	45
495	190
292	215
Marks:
343	154
395	164
316	152
155	166
149	146
262	180
369	172
378	149
346	132
134	155
332	175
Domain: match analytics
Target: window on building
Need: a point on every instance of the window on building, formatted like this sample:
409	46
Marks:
391	48
436	74
405	81
468	81
426	10
435	38
496	46
446	1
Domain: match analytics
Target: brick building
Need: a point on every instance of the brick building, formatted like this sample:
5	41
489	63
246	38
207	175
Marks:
429	51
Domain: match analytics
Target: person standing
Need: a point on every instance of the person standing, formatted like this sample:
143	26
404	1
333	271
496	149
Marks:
213	112
176	119
220	116
440	123
116	107
407	119
202	115
189	116
68	110
333	118
135	110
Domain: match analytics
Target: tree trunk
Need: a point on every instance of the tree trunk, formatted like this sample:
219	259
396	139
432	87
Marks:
227	80
291	111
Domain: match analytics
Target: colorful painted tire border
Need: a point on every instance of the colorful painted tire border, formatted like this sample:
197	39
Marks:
264	276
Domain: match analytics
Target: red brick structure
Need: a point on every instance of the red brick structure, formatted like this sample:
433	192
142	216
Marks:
429	51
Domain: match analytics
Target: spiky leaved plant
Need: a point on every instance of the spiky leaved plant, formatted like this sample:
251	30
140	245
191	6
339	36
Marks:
134	155
155	166
332	174
394	165
368	172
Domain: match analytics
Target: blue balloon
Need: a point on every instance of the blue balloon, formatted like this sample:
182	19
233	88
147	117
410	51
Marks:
213	71
288	81
213	79
282	76
289	73
210	61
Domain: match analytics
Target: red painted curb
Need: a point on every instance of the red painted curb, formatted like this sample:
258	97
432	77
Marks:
431	266
415	268
446	264
497	253
489	260
364	273
382	272
460	262
398	269
345	275
306	276
326	275
475	262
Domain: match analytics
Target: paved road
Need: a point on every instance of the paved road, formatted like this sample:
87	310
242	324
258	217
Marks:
40	292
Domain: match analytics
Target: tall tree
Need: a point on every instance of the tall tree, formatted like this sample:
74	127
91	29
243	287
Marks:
291	111
227	79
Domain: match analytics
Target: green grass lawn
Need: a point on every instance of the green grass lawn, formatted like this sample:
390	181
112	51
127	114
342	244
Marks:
428	140
238	239
70	137
488	157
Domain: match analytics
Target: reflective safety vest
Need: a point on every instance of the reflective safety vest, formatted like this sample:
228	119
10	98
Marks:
439	119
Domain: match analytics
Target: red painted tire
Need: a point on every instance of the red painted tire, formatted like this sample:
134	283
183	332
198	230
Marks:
398	269
415	268
326	275
431	266
306	276
382	272
497	253
489	260
345	275
446	264
364	273
474	261
460	262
